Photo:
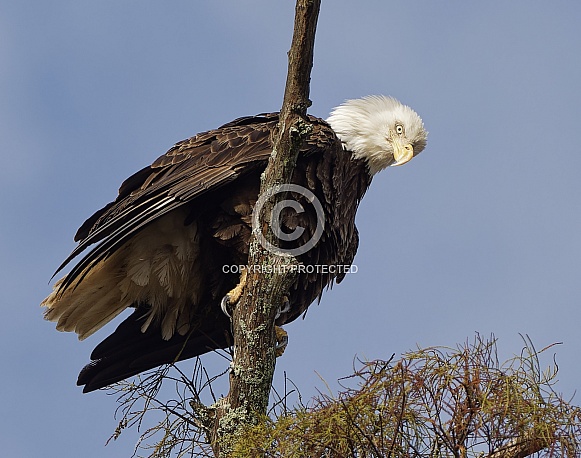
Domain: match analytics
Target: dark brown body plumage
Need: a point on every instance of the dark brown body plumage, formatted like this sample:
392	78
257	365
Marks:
213	179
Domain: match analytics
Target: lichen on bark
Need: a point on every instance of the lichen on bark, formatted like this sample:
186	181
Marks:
253	318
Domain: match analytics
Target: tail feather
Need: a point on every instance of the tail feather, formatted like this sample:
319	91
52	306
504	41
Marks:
83	318
88	306
129	351
159	266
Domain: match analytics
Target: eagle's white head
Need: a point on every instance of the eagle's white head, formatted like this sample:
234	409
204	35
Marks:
380	130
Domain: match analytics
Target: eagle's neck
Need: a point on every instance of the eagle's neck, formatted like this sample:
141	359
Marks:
362	129
365	148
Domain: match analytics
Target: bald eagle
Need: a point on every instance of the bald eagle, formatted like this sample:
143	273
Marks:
163	245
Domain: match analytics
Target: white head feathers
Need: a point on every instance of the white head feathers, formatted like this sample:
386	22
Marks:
380	130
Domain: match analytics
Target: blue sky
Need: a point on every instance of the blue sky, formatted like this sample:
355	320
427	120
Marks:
480	233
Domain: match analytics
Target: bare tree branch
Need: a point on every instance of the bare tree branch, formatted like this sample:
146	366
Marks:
522	447
253	318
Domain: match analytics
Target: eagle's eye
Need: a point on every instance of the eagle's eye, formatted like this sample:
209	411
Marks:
399	129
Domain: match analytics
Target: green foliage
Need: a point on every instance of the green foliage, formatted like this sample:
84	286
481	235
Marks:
433	402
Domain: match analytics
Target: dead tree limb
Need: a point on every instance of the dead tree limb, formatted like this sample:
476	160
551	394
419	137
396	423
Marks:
253	318
522	447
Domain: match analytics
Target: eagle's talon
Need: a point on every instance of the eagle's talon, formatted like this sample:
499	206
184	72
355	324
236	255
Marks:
284	308
281	341
230	300
226	306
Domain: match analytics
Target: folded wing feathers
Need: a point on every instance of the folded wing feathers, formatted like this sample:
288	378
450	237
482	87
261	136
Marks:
143	253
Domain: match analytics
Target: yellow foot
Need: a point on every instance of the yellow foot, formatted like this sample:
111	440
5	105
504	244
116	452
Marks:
230	300
281	340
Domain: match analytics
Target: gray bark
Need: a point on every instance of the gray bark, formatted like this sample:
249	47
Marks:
253	318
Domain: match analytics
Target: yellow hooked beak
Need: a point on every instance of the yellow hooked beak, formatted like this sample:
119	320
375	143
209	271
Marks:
402	153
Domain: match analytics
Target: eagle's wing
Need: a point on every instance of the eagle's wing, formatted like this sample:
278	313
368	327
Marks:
189	169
